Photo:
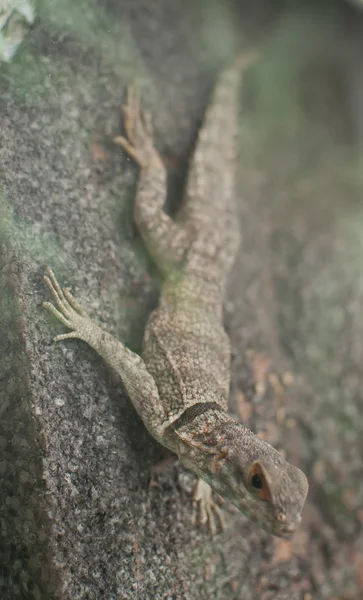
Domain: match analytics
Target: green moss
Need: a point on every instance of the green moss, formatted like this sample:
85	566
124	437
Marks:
92	26
31	77
279	114
20	237
81	27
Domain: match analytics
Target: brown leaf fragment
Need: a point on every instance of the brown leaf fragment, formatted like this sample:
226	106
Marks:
349	498
98	152
357	560
260	365
288	378
244	408
275	383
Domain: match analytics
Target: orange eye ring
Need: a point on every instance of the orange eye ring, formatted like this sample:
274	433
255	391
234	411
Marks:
259	481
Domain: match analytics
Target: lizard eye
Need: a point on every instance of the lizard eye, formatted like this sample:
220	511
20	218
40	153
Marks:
259	481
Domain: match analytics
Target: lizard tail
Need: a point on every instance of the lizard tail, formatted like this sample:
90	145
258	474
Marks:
223	106
209	207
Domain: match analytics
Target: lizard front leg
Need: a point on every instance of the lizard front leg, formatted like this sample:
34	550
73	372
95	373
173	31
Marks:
204	504
165	240
139	384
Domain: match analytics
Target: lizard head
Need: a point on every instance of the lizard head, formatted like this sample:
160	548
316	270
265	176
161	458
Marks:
256	478
275	494
245	470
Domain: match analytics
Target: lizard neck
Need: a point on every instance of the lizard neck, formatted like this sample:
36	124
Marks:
200	438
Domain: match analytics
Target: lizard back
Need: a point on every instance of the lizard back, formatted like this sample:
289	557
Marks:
186	348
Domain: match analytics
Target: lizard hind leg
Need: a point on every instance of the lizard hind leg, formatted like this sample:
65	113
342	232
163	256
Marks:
165	240
138	142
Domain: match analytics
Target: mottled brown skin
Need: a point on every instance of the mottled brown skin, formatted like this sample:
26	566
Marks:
180	385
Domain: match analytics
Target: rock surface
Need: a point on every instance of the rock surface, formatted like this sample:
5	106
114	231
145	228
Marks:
90	506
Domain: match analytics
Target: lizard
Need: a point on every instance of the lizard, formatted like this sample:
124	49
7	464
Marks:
180	383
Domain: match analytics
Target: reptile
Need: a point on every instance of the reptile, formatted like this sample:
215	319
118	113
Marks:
180	383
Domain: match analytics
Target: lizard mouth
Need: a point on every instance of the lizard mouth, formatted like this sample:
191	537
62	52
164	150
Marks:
286	530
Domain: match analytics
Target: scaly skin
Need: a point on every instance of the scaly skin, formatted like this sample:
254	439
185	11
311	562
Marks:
180	385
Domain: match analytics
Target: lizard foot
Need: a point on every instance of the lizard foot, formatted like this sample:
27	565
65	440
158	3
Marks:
203	496
69	311
138	125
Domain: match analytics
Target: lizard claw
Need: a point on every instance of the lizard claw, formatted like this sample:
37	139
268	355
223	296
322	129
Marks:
203	496
138	142
67	309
